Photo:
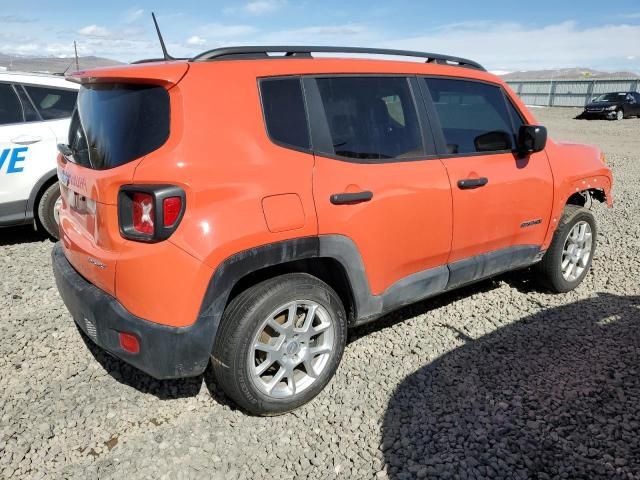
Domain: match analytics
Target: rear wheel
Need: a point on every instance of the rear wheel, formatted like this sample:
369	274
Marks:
279	343
568	259
48	207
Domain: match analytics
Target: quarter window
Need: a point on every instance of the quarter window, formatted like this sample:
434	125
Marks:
284	112
10	110
370	118
52	103
473	116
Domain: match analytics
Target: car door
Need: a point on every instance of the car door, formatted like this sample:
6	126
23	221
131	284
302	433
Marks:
27	147
501	203
634	99
373	181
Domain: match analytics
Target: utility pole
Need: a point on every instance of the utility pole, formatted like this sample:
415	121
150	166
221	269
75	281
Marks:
75	48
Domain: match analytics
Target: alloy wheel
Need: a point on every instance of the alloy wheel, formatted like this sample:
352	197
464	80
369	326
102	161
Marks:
577	251
291	349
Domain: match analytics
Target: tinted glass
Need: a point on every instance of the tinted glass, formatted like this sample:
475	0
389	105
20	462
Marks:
284	111
52	103
516	118
30	114
473	116
118	123
371	118
10	109
611	97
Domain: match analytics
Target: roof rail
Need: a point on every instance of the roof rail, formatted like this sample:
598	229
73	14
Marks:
152	60
288	51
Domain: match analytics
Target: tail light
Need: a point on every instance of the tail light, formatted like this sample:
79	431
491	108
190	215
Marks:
150	213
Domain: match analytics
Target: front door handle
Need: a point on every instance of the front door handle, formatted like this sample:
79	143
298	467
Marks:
351	198
26	139
469	183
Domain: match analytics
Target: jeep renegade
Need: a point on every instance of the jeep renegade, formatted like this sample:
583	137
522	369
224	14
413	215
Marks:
249	205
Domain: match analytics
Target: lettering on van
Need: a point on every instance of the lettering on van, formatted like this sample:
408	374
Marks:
13	157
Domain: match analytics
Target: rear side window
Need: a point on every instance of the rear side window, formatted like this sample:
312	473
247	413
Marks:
473	116
30	114
10	109
371	118
117	123
52	103
284	112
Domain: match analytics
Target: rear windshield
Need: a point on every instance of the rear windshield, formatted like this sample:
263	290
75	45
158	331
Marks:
117	123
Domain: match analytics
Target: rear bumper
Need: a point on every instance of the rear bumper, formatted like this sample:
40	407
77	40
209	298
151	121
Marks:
165	352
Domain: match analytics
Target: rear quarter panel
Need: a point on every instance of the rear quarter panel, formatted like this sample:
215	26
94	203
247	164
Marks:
220	154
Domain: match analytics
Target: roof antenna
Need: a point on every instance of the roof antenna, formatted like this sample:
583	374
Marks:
164	48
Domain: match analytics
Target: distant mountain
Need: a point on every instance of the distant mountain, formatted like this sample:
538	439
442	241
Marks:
24	63
567	73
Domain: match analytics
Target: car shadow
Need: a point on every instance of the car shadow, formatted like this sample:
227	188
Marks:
172	389
554	395
422	307
23	234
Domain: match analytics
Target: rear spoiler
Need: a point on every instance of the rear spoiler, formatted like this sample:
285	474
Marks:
166	74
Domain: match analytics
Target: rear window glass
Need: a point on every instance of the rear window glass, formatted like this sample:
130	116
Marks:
52	103
284	112
117	123
371	117
473	116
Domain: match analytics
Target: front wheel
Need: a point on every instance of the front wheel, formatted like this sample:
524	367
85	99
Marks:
279	343
568	259
620	115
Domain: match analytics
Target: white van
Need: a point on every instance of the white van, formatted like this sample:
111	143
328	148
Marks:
35	111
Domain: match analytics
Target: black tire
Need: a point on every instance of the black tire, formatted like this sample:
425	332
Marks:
244	316
46	205
549	269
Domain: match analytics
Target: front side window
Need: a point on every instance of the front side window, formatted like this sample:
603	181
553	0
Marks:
10	109
371	118
52	103
473	116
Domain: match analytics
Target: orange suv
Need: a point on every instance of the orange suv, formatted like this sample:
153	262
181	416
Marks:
251	204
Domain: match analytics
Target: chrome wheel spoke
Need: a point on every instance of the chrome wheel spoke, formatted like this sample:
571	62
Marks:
314	352
308	319
277	378
260	369
309	368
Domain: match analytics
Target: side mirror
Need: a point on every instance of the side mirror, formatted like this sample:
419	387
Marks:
531	139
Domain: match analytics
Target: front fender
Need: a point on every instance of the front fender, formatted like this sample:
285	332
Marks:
576	168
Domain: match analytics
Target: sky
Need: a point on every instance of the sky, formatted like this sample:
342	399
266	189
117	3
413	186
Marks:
502	35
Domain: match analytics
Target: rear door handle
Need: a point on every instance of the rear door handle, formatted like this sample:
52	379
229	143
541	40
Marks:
351	198
26	139
469	183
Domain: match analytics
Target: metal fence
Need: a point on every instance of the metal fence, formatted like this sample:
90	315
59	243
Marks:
569	93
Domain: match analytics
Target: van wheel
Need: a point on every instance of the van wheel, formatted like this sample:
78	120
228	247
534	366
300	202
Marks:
568	259
48	210
279	343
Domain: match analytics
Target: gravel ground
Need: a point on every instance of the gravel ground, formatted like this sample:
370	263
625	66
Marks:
499	380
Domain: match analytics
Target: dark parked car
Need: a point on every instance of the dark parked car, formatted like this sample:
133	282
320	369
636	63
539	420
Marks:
613	106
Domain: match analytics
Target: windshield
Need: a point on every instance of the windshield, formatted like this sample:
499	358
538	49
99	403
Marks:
611	97
115	124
